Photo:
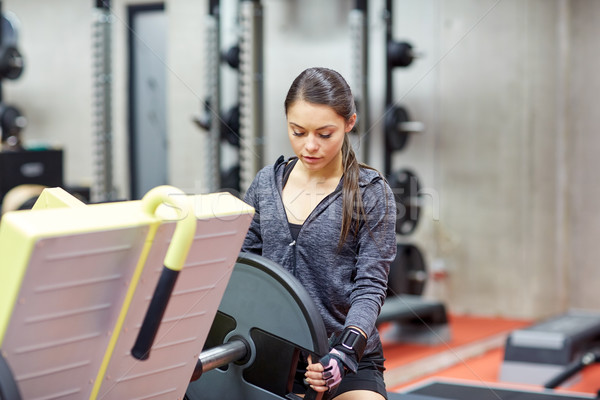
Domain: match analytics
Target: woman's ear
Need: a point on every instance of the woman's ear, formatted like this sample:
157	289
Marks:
350	123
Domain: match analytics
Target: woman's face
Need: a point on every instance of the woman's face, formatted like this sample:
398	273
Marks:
317	133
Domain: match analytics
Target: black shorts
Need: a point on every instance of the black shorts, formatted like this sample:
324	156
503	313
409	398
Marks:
368	377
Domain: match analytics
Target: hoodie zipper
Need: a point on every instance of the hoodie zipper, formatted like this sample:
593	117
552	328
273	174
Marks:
293	244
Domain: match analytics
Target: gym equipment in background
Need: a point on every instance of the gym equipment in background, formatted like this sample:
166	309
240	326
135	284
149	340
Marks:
266	318
359	35
12	64
408	272
407	192
24	167
103	186
542	352
243	121
438	389
412	317
11	59
397	123
251	94
12	122
397	126
210	120
24	171
588	358
76	282
19	166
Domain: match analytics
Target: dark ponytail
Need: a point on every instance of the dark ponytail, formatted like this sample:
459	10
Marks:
328	87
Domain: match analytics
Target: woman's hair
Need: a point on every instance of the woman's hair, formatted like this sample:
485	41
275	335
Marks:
327	87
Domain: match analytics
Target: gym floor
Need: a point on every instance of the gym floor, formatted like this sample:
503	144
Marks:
474	353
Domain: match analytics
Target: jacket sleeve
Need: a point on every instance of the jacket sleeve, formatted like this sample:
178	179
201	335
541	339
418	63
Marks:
376	251
253	240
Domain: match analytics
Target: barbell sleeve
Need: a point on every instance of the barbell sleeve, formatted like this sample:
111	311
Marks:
411	126
219	356
233	351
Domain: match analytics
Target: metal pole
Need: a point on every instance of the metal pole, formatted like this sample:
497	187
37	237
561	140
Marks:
103	188
212	156
251	91
389	83
359	18
388	39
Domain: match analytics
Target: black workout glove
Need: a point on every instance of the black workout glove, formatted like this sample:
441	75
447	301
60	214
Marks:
347	350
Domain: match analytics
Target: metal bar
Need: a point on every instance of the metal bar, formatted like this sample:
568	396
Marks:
389	37
220	356
389	83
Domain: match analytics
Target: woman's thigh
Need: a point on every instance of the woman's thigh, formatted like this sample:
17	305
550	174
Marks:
359	395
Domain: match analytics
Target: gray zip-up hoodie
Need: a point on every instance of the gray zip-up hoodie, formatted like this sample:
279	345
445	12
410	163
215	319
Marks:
347	286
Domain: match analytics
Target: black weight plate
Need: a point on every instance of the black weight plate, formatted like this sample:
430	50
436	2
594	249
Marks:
408	271
230	180
395	139
406	187
8	386
270	308
10	35
230	126
11	62
400	54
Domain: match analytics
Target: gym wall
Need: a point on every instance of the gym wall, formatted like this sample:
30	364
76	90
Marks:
506	90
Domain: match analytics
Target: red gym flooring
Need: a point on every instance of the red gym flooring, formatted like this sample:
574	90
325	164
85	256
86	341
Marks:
474	353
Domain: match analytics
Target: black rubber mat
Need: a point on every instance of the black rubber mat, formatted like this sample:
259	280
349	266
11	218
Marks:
443	390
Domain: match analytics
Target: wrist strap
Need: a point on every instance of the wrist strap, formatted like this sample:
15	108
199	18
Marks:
351	341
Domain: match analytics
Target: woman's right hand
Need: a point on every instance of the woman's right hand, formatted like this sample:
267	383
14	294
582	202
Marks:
326	374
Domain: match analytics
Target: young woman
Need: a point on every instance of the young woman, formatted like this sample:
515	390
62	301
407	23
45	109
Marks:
330	221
